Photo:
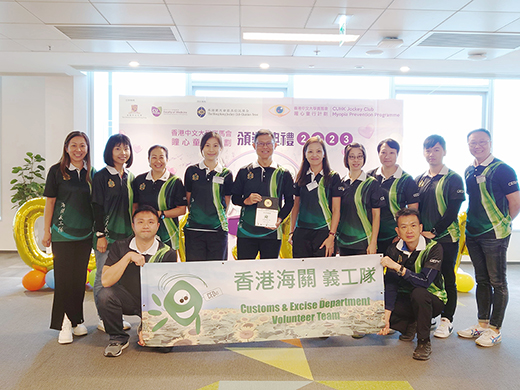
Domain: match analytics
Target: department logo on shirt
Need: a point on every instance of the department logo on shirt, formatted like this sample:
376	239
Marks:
195	177
250	175
142	186
111	183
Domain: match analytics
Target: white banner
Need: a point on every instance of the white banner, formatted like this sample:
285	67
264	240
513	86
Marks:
242	301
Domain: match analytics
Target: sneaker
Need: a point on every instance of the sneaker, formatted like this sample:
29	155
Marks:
358	334
409	335
423	350
65	336
444	329
489	338
80	330
472	332
114	348
101	325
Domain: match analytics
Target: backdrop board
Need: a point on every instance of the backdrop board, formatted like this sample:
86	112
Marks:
217	302
179	123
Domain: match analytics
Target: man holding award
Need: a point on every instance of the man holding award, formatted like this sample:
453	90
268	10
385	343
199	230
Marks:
264	189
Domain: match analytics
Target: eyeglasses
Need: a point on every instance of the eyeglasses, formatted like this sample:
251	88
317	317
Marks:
474	144
361	157
262	144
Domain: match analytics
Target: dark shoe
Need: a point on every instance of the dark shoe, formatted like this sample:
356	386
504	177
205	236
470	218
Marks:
114	348
423	350
409	335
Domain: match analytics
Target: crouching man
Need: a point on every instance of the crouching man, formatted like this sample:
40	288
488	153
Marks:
121	277
414	288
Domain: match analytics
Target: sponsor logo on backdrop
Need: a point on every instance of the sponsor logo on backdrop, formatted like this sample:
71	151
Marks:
201	112
156	111
134	112
279	110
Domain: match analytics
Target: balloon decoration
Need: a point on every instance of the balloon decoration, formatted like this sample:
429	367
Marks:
465	281
49	279
33	280
25	239
23	229
92	277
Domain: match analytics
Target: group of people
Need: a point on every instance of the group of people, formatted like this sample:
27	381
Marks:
413	223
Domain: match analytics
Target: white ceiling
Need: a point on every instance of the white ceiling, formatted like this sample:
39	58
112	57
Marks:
209	36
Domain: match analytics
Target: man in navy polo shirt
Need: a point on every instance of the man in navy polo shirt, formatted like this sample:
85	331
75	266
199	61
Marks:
494	201
262	178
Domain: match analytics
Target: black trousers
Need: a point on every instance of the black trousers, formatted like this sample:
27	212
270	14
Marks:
449	258
307	242
248	248
419	306
113	302
70	276
206	245
382	245
351	252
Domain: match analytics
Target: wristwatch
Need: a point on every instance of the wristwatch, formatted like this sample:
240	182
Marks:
162	214
401	271
100	234
434	232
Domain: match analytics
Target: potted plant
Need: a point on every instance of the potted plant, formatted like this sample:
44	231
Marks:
30	182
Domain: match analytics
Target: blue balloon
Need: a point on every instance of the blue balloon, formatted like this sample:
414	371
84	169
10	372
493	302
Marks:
49	279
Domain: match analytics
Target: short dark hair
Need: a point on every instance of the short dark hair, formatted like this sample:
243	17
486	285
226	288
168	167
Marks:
349	147
392	143
433	140
207	136
477	130
115	140
405	212
145	209
157	146
264	132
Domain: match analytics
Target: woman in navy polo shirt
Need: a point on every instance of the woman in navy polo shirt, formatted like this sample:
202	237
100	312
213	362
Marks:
208	190
164	192
361	203
317	202
68	222
112	200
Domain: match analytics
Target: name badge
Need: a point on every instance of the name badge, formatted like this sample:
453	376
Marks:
481	179
312	185
218	179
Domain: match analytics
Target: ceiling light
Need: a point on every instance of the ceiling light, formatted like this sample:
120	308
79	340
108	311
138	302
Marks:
390	43
133	64
291	37
342	18
359	67
264	66
477	56
374	52
404	69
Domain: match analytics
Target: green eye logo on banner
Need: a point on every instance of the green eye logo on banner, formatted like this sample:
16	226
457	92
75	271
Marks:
183	302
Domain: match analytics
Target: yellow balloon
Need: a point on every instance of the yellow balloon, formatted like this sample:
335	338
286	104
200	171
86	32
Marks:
25	239
182	240
465	282
23	230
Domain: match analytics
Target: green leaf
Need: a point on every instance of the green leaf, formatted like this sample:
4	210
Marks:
14	181
41	167
156	300
159	325
16	169
29	154
28	161
154	312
